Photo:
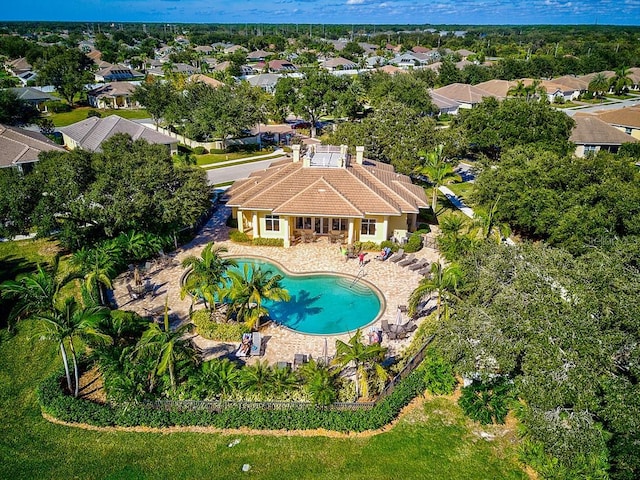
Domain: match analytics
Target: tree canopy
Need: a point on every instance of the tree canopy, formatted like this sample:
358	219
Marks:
68	71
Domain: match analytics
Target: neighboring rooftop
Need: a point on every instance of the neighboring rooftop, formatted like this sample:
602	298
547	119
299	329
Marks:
90	133
590	130
19	146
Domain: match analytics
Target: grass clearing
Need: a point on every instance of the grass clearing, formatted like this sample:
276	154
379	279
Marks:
80	113
463	190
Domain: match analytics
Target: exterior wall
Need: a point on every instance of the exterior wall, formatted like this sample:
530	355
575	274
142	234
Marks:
382	230
69	142
264	233
397	223
635	132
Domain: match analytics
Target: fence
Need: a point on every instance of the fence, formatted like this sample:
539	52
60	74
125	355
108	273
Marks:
215	145
221	405
411	365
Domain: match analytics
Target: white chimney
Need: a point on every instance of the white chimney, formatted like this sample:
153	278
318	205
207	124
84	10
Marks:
296	153
359	155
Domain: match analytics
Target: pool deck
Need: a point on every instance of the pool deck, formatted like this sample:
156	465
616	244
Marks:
279	344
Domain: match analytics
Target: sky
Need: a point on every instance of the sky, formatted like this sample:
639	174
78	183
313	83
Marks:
469	12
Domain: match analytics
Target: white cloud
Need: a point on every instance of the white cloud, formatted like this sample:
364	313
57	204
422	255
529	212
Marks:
355	2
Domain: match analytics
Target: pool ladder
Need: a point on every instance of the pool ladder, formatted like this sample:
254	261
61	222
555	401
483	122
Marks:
361	274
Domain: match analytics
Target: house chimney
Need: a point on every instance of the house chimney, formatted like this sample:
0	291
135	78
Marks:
359	155
296	153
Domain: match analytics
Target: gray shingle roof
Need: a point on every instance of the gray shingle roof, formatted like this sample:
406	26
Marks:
22	146
90	133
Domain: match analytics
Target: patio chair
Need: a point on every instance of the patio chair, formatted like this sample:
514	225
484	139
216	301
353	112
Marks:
407	261
132	295
385	325
419	264
396	257
299	359
426	271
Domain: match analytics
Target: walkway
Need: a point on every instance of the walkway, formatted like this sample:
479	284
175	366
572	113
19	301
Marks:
456	201
395	282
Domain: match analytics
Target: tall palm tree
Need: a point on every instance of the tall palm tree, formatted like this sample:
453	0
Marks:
98	266
518	90
455	239
249	288
206	274
165	346
319	382
599	84
444	282
37	292
485	221
366	360
621	81
438	171
66	324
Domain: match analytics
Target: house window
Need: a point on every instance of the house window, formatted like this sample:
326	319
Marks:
303	223
340	224
368	226
589	149
627	130
272	223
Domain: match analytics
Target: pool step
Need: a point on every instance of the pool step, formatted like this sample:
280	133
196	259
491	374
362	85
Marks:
355	288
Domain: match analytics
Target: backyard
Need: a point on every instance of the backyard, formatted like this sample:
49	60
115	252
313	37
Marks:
80	113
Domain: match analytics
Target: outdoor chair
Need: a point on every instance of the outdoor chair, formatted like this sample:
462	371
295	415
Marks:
299	359
385	326
426	271
396	257
407	261
256	344
132	295
419	264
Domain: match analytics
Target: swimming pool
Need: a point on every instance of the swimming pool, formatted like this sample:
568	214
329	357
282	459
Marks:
321	303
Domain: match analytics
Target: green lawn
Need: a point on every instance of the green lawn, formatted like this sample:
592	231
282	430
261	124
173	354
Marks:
80	113
434	440
462	190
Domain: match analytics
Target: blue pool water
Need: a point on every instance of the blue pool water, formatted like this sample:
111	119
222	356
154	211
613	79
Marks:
321	304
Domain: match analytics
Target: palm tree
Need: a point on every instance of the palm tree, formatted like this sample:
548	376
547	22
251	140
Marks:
443	281
206	274
455	239
249	288
37	292
257	378
221	376
599	84
98	266
165	346
69	322
518	90
366	360
319	382
438	171
486	222
621	81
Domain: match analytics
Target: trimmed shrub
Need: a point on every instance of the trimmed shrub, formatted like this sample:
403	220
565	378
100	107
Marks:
93	113
200	150
239	237
66	408
268	242
414	244
56	106
369	246
388	243
222	332
438	375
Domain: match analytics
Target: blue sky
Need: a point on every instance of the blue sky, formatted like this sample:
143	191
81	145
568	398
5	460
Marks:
471	12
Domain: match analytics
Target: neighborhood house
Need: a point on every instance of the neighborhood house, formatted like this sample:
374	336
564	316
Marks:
327	192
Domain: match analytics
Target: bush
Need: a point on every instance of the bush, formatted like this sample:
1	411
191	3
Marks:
369	246
93	113
200	150
56	106
438	375
222	332
66	408
232	222
414	244
486	402
389	244
423	228
239	237
268	242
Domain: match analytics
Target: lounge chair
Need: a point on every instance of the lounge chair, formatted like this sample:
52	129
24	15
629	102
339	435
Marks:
407	261
396	257
426	271
385	326
244	350
256	344
419	264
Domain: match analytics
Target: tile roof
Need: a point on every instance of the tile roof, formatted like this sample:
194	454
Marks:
112	89
22	146
461	92
31	94
289	188
212	82
624	117
590	130
497	88
90	133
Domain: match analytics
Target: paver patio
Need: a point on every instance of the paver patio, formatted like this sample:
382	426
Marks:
279	343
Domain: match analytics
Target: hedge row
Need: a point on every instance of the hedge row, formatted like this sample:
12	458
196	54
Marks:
56	403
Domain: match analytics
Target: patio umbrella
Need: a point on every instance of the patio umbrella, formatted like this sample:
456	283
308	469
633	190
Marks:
399	318
137	279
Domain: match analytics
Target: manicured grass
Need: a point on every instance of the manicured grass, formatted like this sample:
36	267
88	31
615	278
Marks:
23	256
432	441
213	158
80	113
249	160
